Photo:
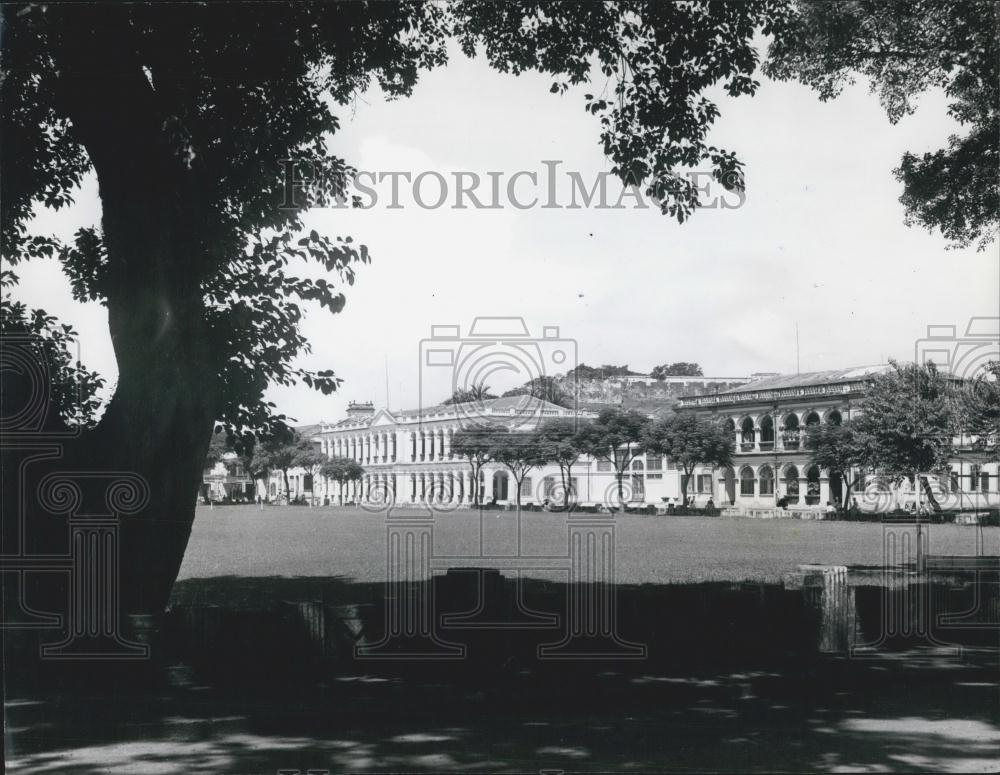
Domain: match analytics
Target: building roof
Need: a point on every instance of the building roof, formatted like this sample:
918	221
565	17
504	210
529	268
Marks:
487	405
509	406
809	379
814	384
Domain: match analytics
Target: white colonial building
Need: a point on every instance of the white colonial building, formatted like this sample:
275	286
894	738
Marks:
407	458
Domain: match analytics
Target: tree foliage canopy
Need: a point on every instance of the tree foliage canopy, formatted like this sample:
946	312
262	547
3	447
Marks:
191	110
909	420
342	470
518	453
979	407
679	369
845	449
474	442
585	372
561	441
544	388
470	395
904	50
690	440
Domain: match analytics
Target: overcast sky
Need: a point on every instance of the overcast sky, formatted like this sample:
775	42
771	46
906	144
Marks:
819	242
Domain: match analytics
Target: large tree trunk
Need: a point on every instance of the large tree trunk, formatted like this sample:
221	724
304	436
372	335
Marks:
157	231
685	478
474	493
160	420
929	492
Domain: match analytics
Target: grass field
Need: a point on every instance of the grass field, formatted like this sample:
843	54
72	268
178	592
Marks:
328	541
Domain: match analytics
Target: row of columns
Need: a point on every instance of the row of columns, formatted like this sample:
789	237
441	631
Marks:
363	448
746	445
454	486
799	431
389	446
780	488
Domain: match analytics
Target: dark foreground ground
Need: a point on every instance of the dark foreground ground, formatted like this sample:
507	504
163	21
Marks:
731	680
902	714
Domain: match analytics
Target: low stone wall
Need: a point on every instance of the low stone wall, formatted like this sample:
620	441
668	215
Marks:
764	512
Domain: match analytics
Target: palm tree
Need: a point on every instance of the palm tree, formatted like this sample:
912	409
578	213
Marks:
472	394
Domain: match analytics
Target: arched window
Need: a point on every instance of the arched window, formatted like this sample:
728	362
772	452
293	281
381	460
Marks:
792	484
833	418
500	486
767	433
812	419
746	481
747	433
812	486
790	436
766	480
729	428
638	480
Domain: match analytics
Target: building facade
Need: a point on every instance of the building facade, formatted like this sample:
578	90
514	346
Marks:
768	419
407	456
227	481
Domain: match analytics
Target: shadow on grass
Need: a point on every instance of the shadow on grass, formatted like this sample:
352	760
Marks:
260	675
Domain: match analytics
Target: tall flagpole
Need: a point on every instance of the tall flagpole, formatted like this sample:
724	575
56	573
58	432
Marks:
798	369
387	383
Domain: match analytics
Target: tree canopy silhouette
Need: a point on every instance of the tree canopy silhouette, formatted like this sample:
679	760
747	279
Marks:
905	49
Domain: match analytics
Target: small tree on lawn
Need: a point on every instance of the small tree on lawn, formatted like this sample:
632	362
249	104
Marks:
560	442
518	453
843	449
909	420
690	441
618	436
222	445
277	453
978	407
342	470
474	444
217	449
309	457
